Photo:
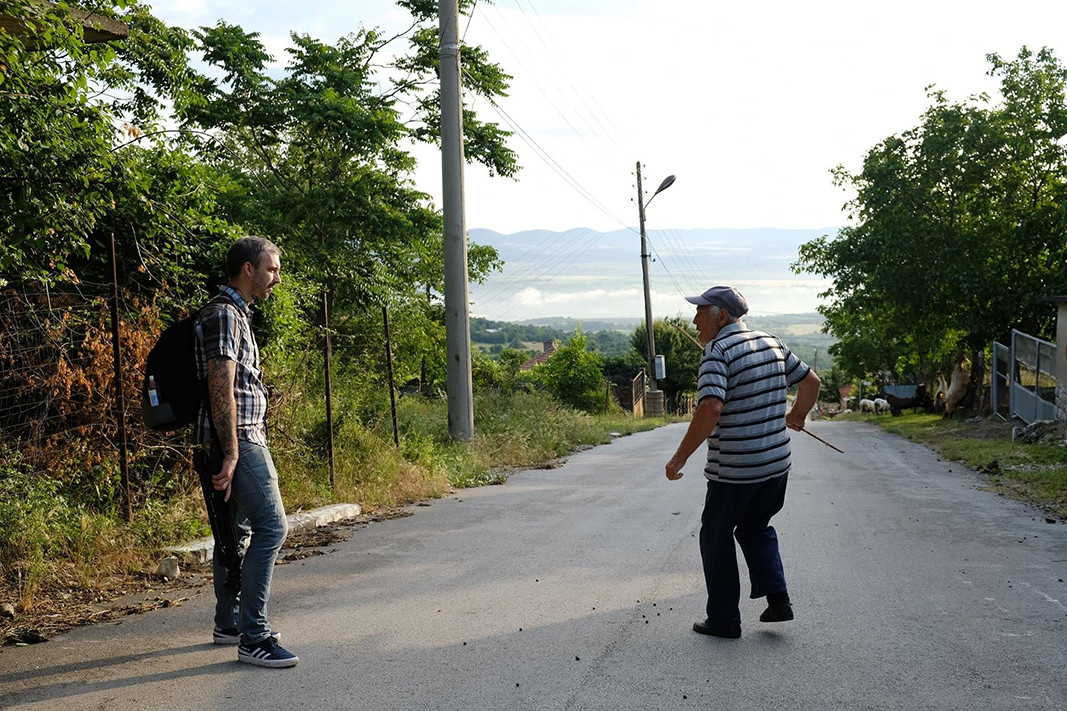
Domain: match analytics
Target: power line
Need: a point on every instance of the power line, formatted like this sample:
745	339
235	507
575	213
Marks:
686	264
470	18
515	39
555	52
552	163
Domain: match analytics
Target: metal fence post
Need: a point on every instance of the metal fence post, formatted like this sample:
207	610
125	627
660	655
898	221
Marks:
392	380
120	404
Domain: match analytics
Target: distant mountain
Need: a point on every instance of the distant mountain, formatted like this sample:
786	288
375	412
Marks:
585	275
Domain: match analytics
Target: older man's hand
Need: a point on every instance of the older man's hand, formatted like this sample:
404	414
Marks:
794	419
674	469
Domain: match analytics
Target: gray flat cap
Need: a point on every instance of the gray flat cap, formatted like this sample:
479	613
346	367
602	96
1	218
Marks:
725	297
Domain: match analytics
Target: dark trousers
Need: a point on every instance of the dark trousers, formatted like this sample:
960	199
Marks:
743	511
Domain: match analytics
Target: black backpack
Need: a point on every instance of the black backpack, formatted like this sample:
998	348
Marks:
172	393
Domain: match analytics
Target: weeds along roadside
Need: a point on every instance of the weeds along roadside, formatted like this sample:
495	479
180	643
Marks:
516	430
54	537
1034	473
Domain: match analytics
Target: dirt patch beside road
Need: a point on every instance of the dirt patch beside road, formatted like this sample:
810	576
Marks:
61	604
1032	469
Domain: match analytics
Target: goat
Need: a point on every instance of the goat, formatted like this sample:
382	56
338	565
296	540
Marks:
942	392
867	405
958	385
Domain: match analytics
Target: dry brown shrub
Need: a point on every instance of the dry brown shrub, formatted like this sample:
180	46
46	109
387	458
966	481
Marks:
58	403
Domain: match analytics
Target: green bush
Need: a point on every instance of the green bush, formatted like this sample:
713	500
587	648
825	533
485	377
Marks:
574	375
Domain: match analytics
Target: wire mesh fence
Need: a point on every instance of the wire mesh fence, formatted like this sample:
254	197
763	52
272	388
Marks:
59	405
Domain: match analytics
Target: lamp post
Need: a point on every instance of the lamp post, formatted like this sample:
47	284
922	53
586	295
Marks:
649	335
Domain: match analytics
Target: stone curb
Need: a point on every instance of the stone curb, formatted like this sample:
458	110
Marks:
203	550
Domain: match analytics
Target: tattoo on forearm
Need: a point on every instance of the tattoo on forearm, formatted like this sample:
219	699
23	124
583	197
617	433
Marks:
221	373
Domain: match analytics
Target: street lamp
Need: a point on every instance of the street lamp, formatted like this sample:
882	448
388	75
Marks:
649	335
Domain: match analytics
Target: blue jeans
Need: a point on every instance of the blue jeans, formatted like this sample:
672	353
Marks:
743	511
256	505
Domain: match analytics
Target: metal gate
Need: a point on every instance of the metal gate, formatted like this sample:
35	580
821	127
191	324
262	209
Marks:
1032	378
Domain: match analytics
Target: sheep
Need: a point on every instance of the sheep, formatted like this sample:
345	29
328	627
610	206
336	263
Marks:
958	385
881	405
867	405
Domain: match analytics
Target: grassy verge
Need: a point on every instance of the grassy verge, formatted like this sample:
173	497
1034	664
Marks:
1036	473
511	432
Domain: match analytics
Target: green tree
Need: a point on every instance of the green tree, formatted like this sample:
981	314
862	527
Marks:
511	361
681	355
622	369
959	233
832	381
484	142
68	114
574	375
318	161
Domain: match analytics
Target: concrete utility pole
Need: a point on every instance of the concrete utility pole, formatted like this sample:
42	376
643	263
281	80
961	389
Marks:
457	317
641	204
649	335
654	404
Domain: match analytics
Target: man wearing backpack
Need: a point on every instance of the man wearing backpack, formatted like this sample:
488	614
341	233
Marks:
233	421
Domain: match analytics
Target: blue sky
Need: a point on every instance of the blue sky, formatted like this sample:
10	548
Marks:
750	105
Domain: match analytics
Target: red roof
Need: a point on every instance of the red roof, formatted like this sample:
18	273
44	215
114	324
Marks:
540	358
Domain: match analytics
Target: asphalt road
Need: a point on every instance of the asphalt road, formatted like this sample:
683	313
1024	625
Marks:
575	588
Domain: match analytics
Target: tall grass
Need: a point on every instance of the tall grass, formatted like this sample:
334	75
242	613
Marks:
511	431
50	535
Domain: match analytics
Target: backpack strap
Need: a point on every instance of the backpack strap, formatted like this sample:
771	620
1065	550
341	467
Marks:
220	299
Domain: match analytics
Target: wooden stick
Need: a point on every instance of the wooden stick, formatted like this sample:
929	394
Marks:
688	335
823	441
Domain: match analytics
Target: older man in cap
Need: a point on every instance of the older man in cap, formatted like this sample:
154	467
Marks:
741	413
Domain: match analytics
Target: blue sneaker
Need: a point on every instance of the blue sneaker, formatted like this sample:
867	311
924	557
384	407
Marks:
230	635
267	653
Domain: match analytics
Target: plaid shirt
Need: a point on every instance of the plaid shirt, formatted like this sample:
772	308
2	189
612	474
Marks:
224	330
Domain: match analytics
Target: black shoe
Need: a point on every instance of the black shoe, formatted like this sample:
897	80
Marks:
731	630
780	612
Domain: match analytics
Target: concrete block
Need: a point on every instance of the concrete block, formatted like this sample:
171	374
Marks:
168	568
203	550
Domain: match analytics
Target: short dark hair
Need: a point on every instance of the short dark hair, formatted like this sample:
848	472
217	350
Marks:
248	249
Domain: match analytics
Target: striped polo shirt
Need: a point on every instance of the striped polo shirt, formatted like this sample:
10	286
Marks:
749	372
224	330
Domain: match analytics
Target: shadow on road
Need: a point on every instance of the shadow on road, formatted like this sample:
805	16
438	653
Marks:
66	688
